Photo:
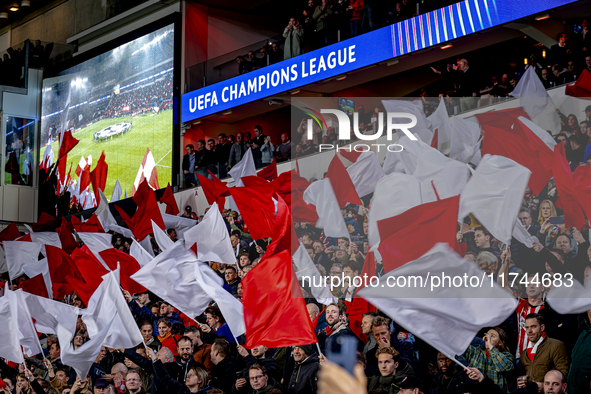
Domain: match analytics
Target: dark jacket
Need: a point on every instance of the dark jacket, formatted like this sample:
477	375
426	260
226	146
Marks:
157	385
487	386
271	384
579	376
269	363
223	375
168	384
390	383
405	349
185	165
178	370
456	385
341	331
223	152
304	376
143	313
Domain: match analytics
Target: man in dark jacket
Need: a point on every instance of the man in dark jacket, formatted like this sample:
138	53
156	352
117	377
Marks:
384	338
257	355
184	361
260	382
449	380
304	376
336	325
189	166
257	142
203	159
223	374
391	372
481	241
223	154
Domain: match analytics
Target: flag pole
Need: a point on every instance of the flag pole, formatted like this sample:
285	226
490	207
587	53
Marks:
457	362
318	347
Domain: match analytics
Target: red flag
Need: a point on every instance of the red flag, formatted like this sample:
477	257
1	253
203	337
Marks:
273	317
269	172
92	225
84	178
413	233
582	87
257	210
573	212
66	237
25	238
61	169
67	143
359	306
300	210
434	143
341	183
35	285
283	225
44	220
61	265
351	156
98	177
282	186
502	119
83	290
212	191
517	148
582	181
168	199
141	222
129	266
90	268
10	233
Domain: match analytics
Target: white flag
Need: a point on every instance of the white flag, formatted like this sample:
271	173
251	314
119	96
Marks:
321	195
171	276
212	238
107	306
45	238
414	107
179	223
162	239
18	254
230	307
440	176
532	94
82	358
306	268
244	168
445	315
49	313
440	121
494	195
521	234
117	192
10	347
464	139
395	193
406	160
3	265
139	253
26	330
365	173
570	298
40	268
103	213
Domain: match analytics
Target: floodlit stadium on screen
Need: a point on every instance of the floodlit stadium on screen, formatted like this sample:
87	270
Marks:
119	103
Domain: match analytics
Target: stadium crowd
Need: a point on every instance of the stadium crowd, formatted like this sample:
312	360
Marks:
535	350
324	22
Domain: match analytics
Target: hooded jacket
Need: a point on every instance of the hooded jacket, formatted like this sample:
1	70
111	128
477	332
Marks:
390	383
304	376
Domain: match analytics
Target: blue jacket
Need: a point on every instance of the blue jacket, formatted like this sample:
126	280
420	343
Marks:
144	313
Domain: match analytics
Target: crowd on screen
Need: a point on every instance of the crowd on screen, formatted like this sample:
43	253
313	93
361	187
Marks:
324	22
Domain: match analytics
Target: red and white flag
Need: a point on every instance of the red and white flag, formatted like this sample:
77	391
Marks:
146	171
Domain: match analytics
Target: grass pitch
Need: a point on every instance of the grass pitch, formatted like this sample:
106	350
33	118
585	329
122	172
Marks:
125	153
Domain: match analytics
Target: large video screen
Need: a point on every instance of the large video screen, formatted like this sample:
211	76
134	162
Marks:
119	103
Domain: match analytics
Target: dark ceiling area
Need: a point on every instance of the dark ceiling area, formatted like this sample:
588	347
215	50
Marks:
14	11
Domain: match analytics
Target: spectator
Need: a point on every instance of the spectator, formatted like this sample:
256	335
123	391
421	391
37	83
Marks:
283	151
201	350
224	371
450	379
256	145
323	18
560	52
243	65
237	151
293	35
549	353
189	166
303	377
385	339
267	149
276	54
223	149
390	375
217	323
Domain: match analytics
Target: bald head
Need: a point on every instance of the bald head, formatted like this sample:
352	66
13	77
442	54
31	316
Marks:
554	382
312	311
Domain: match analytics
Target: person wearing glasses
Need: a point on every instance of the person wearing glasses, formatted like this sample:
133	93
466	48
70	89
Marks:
196	381
133	382
259	381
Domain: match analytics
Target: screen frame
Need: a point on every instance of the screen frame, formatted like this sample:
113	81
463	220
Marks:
174	19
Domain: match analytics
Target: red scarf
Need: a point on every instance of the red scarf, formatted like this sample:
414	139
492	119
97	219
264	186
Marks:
531	349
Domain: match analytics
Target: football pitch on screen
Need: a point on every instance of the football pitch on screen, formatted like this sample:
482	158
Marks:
125	153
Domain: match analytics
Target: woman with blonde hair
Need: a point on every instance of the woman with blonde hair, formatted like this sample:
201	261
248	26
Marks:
547	210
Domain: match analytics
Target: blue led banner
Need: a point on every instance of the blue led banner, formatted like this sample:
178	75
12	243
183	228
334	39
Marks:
436	27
